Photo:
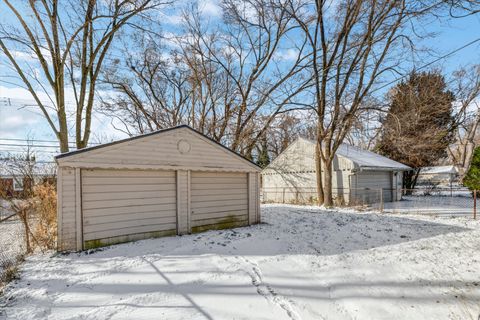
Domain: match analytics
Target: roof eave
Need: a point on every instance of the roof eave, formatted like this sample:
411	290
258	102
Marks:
370	168
64	156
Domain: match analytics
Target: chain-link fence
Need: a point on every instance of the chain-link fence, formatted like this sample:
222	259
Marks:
447	201
361	198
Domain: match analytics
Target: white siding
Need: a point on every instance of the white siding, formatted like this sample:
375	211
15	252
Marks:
218	200
119	204
376	180
183	201
301	187
66	209
176	149
291	176
253	198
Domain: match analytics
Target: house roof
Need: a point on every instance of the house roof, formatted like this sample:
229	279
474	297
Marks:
158	132
439	170
367	160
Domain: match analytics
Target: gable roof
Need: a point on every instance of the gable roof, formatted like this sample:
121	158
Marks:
367	159
439	170
362	159
82	153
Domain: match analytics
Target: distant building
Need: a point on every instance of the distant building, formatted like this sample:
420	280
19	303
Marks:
19	184
443	176
358	175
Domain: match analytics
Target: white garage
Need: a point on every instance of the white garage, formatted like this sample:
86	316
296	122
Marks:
173	181
358	176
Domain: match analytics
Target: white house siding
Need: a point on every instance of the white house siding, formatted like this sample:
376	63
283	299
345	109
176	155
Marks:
66	209
253	198
218	200
171	182
291	176
183	201
120	205
155	152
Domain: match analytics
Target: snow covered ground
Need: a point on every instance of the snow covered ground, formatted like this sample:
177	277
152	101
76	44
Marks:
300	263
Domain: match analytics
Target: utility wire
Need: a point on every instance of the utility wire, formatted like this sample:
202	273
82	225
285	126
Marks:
41	141
429	63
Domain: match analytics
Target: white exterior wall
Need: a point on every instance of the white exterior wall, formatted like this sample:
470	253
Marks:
124	205
66	216
371	186
218	200
179	149
170	183
291	178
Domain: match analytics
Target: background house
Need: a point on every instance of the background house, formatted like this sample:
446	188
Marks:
14	187
358	175
441	176
18	177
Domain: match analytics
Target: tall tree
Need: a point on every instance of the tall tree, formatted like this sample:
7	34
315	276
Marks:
229	81
467	136
70	40
420	124
352	45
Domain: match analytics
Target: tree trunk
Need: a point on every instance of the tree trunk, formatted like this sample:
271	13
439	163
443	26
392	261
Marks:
63	130
328	190
318	170
410	180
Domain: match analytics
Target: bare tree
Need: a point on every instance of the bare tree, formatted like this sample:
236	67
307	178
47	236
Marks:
353	44
248	49
69	40
467	90
229	81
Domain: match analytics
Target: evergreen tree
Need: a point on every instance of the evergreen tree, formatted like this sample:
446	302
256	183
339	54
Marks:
263	157
472	178
419	124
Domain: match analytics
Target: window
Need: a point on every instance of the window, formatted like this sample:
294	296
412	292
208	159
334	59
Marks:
17	185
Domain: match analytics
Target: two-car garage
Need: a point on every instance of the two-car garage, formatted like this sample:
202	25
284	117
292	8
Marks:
174	181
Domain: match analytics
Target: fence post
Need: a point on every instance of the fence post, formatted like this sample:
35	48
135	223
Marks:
475	204
381	200
283	196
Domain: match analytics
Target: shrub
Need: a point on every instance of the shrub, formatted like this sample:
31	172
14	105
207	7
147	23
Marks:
472	177
45	208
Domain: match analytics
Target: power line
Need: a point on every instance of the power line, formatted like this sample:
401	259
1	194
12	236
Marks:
430	63
35	151
27	145
40	141
32	140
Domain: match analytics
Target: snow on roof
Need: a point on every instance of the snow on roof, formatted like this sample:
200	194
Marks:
367	159
439	170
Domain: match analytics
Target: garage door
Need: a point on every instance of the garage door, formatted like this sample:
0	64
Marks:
218	200
120	205
376	180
